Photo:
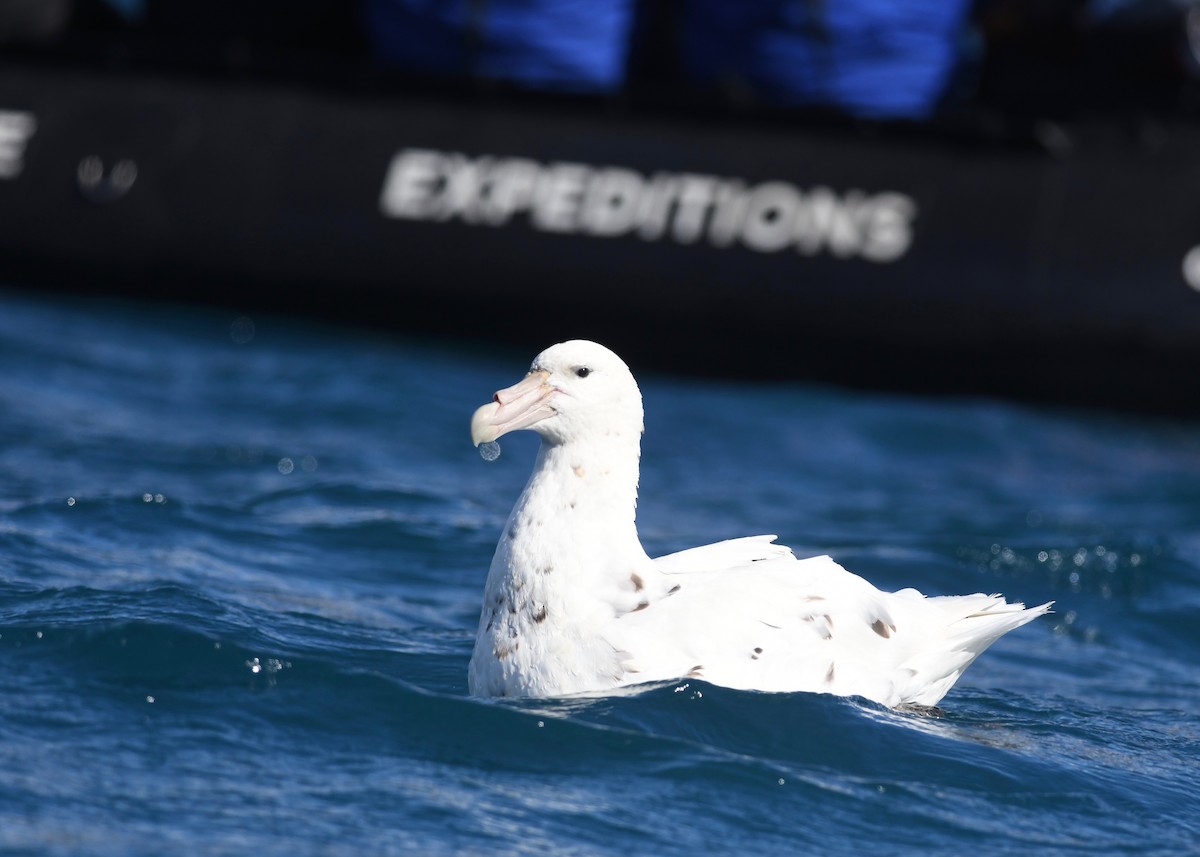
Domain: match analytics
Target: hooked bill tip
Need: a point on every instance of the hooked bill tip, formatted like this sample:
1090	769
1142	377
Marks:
482	428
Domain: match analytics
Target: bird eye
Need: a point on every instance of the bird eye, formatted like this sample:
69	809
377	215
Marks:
582	371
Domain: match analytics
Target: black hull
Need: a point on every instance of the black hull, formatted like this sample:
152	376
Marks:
905	259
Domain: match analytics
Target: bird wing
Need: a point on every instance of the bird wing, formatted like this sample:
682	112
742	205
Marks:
720	555
776	623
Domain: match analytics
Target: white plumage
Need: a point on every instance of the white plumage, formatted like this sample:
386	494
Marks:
574	604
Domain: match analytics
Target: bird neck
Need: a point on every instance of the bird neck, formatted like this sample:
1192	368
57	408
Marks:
593	483
577	514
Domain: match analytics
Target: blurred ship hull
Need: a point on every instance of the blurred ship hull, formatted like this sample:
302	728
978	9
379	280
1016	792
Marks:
1061	267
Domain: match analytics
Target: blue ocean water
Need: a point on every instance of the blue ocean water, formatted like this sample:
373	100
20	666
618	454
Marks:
241	559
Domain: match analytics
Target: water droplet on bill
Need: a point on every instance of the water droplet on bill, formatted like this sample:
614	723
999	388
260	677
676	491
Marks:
489	451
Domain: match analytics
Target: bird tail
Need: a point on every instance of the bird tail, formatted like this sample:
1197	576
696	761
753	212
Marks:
972	623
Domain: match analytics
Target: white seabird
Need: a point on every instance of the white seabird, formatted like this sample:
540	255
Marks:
573	604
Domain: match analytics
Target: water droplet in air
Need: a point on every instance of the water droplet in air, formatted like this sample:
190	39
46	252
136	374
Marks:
286	466
489	451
